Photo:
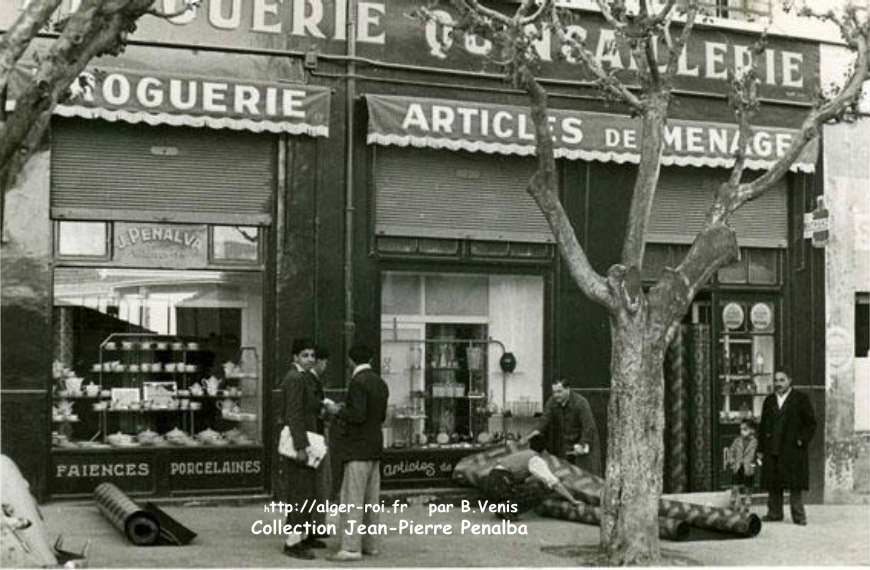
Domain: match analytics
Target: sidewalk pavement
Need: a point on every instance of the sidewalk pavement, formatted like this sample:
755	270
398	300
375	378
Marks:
836	536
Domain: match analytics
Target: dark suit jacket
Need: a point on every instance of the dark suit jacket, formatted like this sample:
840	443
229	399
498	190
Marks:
563	426
363	416
799	424
301	405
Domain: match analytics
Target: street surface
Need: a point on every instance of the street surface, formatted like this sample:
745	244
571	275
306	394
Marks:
836	536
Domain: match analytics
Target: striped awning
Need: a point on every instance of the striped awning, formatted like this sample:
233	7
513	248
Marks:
161	98
578	135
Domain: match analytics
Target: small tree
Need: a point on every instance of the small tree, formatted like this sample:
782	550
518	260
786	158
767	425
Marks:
97	27
642	323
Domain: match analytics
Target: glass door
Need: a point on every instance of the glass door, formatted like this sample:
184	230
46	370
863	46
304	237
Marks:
746	358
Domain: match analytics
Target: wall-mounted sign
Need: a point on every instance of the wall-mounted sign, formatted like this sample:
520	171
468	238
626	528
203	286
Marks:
788	67
817	224
161	245
420	465
761	317
838	347
216	469
80	473
577	135
733	316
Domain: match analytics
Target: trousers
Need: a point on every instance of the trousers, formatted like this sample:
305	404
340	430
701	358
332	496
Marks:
775	497
360	486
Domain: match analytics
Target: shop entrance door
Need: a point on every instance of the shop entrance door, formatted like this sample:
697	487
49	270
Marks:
746	356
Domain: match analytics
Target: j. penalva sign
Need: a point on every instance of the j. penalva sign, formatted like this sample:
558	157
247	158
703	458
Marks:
385	32
160	245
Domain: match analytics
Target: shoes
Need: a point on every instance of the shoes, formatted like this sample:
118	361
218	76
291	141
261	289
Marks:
769	518
371	552
801	522
299	551
312	542
345	556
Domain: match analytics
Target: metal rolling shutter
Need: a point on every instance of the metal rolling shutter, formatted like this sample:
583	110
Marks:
684	195
439	193
102	170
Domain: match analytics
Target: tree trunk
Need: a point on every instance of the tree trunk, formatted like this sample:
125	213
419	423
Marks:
635	445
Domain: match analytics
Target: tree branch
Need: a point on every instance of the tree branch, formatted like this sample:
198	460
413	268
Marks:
675	48
811	126
544	188
15	41
188	5
607	82
475	7
88	33
652	144
615	20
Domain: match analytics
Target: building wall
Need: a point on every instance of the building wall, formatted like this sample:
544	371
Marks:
26	322
846	272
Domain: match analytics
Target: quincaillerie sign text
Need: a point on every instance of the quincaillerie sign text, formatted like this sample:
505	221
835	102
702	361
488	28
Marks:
160	244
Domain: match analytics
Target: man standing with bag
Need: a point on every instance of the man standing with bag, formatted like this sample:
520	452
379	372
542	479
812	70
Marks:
787	426
361	417
301	414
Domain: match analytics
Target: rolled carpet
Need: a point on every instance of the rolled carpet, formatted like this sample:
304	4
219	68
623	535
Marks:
669	529
588	487
138	525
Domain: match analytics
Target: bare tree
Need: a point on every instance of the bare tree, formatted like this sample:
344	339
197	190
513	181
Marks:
97	27
642	323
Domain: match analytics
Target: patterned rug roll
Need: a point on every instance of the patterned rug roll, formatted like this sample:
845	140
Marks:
669	529
588	488
676	419
712	518
471	469
700	410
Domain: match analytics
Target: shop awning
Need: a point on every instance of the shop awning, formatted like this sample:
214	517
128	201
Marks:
505	129
161	98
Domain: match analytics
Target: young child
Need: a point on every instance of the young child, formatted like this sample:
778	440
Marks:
742	454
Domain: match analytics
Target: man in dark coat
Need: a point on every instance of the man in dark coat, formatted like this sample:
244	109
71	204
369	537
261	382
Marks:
301	413
569	428
362	441
787	426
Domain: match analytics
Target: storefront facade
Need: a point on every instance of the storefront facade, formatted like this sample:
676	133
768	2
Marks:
397	215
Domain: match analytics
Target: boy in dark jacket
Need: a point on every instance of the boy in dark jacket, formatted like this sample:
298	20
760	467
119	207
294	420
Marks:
362	417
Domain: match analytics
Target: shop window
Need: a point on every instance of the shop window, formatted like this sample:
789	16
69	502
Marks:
155	343
862	324
401	294
235	244
442	366
530	250
656	258
490	248
83	239
396	245
439	246
736	272
457	295
762	266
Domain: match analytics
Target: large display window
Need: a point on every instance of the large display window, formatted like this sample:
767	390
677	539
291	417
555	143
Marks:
442	338
149	358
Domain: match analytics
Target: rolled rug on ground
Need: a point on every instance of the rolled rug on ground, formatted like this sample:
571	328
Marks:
472	469
712	518
588	488
669	529
138	525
